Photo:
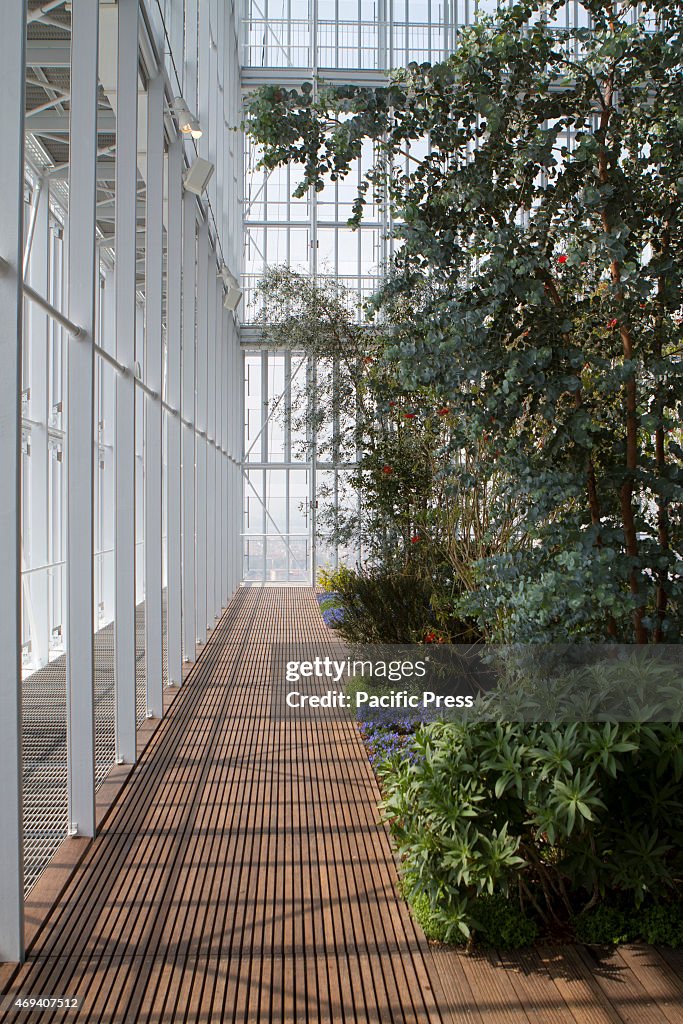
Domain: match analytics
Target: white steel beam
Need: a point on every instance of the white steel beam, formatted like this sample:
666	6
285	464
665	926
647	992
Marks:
153	410
82	275
173	427
125	230
11	248
201	421
188	434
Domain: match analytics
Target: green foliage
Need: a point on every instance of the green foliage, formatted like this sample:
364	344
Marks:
429	922
422	502
564	683
536	293
330	580
496	920
605	925
394	605
660	924
500	922
558	815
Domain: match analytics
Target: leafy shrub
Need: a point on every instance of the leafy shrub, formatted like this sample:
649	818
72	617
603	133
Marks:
499	922
430	923
605	925
660	924
386	605
330	580
561	815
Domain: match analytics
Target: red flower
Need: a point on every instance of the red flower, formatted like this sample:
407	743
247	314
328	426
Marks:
430	638
562	258
415	539
612	322
392	404
444	410
409	415
387	469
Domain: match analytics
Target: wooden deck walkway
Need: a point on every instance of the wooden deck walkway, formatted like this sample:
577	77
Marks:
242	877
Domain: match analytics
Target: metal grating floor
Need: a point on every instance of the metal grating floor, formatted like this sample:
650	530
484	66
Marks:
44	740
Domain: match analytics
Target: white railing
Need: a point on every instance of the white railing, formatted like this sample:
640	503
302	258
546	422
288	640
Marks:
359	287
370	45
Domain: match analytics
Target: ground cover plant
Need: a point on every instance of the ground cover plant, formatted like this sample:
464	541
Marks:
557	824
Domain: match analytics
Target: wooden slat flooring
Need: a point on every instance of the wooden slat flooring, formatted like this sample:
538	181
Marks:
243	876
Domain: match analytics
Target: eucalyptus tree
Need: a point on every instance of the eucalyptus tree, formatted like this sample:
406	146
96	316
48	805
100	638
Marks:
535	181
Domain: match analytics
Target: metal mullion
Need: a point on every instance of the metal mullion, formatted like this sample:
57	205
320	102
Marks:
237	428
288	405
188	435
287	491
191	48
265	416
211	433
201	446
81	277
11	301
154	410
105	435
38	335
225	521
264	519
173	425
125	241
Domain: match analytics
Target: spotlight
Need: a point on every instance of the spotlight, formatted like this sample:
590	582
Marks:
227	276
198	176
187	124
233	292
233	297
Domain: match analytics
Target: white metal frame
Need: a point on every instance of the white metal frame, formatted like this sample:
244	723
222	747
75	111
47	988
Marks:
122	309
11	248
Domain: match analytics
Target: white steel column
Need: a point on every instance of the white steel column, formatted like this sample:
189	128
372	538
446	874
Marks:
201	421
11	249
39	469
153	410
212	552
226	526
125	240
188	411
235	390
82	276
174	257
215	377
